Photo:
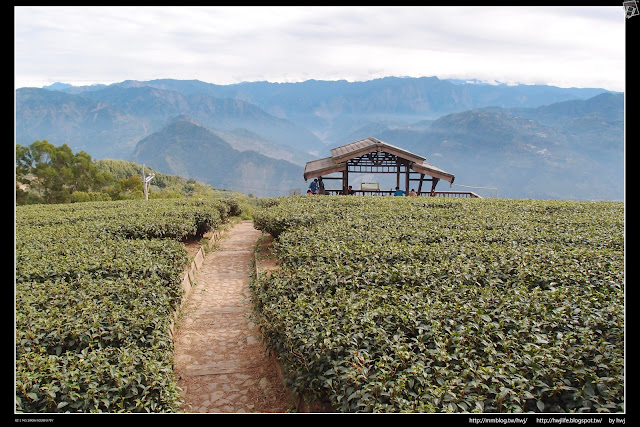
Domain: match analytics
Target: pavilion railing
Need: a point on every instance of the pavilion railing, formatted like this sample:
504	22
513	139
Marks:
470	194
464	194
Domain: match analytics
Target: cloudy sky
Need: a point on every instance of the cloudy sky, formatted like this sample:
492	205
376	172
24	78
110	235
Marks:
82	45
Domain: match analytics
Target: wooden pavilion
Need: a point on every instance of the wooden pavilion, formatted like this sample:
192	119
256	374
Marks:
370	155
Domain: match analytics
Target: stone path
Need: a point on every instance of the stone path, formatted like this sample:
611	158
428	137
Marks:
220	362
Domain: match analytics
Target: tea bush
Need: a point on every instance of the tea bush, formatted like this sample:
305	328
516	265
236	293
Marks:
96	287
387	304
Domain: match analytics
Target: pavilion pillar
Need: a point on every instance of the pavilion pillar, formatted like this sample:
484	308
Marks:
345	180
407	180
434	182
420	183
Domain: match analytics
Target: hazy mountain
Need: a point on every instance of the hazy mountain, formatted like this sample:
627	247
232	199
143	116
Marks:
243	140
596	123
331	109
158	105
187	149
569	150
108	122
526	140
100	129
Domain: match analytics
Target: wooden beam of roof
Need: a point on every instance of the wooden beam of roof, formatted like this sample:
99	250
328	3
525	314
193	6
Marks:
429	169
321	167
369	145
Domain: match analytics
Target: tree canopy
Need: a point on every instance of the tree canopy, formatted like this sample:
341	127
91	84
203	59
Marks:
49	174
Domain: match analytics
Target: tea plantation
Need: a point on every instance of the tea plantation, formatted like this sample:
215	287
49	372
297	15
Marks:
96	287
400	304
380	304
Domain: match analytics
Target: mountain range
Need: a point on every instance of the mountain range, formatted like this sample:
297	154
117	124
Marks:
188	149
526	141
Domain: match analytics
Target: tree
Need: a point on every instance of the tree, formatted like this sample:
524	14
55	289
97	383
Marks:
54	173
127	188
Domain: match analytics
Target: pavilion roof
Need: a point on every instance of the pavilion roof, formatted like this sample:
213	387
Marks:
341	155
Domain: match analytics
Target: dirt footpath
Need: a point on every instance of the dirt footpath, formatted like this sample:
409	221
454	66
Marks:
220	361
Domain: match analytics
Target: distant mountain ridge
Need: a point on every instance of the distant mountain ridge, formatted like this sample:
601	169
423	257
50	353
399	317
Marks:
186	148
479	132
101	129
332	108
569	150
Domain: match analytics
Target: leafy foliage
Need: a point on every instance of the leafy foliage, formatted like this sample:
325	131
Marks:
49	174
445	305
96	287
55	172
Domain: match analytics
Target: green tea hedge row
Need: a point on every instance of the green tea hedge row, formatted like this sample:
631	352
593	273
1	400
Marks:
161	218
437	305
96	286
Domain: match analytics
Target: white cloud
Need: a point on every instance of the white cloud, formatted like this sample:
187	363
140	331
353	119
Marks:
564	46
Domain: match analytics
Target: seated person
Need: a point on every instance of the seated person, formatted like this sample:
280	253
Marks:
314	186
398	192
